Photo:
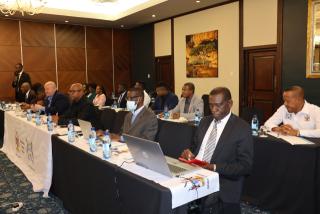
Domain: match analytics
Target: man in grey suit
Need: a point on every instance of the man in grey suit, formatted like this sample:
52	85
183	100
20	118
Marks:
188	104
140	121
224	141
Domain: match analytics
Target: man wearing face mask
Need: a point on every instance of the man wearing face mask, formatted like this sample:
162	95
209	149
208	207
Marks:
140	122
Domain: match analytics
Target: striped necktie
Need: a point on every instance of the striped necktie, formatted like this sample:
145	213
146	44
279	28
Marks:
211	143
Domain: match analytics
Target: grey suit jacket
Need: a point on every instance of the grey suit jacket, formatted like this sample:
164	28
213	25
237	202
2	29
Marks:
233	155
196	103
144	126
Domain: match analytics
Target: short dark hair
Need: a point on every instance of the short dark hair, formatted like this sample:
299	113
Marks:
190	86
20	64
102	89
297	89
143	84
222	90
123	85
139	91
162	84
92	85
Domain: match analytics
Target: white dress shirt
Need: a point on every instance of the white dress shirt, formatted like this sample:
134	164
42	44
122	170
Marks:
147	99
135	114
220	127
307	121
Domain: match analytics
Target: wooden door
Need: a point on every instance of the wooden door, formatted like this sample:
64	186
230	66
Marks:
164	70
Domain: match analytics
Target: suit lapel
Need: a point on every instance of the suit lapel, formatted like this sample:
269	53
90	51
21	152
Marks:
224	136
136	120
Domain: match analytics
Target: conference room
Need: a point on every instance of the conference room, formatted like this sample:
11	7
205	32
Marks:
160	106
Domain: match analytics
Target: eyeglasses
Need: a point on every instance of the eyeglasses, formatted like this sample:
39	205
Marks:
132	98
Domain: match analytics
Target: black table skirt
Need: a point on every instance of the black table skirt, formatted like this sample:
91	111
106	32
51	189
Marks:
1	127
284	177
87	184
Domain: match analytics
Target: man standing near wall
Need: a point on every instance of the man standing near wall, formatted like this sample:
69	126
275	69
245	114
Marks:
20	77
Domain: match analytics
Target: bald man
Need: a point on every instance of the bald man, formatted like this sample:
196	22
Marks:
80	108
55	102
297	116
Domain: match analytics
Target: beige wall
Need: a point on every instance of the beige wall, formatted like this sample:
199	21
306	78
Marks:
162	38
259	22
225	19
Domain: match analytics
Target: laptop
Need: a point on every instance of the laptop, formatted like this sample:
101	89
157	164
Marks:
149	154
85	127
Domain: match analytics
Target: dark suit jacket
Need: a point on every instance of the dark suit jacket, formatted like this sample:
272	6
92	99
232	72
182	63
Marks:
16	83
171	100
83	110
144	126
31	97
59	104
123	102
233	155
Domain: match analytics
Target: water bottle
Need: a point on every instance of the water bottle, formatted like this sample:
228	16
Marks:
166	113
92	140
71	134
197	117
49	123
38	119
114	104
106	146
29	115
254	125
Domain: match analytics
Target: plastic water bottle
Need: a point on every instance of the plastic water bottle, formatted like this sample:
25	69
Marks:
92	140
38	119
166	113
106	146
71	136
114	104
197	117
254	125
49	123
29	115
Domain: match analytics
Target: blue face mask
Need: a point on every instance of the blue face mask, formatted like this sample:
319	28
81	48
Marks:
131	106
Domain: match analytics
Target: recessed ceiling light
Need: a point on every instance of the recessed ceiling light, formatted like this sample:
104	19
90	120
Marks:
6	15
66	21
198	1
153	15
122	26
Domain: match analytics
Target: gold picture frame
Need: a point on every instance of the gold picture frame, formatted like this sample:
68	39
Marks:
313	40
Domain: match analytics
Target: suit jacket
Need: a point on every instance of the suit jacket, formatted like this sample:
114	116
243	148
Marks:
233	155
59	104
171	100
123	102
16	84
144	126
30	98
83	110
195	103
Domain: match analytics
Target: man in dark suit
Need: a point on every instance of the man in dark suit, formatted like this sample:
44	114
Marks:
224	141
165	98
122	91
28	94
55	102
140	121
80	108
20	77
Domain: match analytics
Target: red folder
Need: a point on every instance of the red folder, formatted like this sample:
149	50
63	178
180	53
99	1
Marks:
194	161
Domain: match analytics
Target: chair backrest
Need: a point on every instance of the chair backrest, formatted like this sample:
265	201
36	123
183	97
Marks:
248	112
118	121
174	137
206	108
107	118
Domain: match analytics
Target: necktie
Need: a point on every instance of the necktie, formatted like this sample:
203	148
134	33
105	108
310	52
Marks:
211	143
186	106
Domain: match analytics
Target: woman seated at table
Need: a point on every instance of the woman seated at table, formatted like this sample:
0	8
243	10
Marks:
100	98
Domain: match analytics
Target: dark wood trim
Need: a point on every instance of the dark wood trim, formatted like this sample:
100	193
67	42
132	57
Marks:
197	10
279	49
260	47
242	84
172	53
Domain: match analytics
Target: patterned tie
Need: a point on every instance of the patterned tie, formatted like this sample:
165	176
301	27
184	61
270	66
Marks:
211	143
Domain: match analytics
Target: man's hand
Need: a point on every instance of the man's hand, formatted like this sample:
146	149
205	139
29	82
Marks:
160	115
211	167
187	154
25	106
286	130
37	107
175	115
114	137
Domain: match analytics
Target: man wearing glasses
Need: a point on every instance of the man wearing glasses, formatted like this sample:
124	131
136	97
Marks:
140	121
80	108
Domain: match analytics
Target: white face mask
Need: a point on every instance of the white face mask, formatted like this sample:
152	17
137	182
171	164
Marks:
131	106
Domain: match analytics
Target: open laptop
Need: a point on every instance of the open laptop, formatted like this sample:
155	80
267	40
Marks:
85	127
149	154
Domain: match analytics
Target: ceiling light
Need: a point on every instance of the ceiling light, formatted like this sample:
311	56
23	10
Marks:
66	21
153	15
30	7
122	26
197	1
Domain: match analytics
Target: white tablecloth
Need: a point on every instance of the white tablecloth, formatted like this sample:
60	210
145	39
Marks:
181	189
29	147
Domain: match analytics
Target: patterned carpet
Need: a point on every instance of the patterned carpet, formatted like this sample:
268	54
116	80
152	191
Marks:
14	187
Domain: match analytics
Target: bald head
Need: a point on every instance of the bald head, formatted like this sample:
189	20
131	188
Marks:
50	88
25	87
76	91
293	98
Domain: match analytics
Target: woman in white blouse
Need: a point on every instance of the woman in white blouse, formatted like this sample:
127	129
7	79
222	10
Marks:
100	98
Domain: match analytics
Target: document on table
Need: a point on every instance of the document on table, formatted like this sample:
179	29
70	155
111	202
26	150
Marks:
293	140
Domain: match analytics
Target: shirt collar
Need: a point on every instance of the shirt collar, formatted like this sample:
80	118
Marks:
136	112
225	119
